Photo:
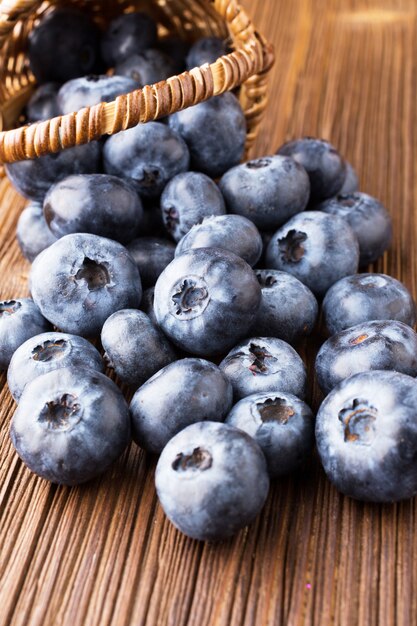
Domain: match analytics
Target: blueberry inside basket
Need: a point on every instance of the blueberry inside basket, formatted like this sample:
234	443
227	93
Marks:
245	68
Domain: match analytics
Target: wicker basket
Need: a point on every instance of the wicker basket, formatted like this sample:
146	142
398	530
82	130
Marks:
247	66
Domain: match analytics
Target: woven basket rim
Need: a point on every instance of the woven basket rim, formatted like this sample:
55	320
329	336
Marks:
252	58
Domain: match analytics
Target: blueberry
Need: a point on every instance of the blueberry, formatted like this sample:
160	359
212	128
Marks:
366	297
206	300
379	345
351	184
46	352
146	304
43	103
82	279
324	165
267	191
63	46
93	203
316	248
71	425
176	49
148	155
229	232
33	177
20	319
282	425
206	50
215	132
369	220
90	90
126	35
366	436
32	232
151	255
135	349
288	308
264	364
182	393
187	199
211	480
146	68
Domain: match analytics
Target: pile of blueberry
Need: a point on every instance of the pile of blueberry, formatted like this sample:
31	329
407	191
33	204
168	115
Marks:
198	290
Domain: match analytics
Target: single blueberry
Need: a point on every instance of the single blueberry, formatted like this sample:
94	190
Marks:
229	232
93	203
367	297
215	132
20	319
379	345
351	184
70	425
367	438
64	45
369	220
146	68
151	255
267	191
324	165
32	232
185	392
90	90
43	104
82	279
288	308
146	305
211	480
282	425
206	300
46	352
135	349
148	155
33	177
126	35
264	364
187	199
316	248
205	50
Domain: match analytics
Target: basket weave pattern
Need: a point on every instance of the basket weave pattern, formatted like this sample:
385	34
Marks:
247	66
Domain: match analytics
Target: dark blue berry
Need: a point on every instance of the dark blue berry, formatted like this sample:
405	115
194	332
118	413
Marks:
324	165
128	34
281	424
264	364
366	436
206	300
229	232
211	480
267	191
205	50
146	68
288	308
351	184
215	132
187	199
316	248
43	104
151	255
90	90
93	203
46	352
185	392
82	279
71	425
148	155
364	298
135	349
32	232
380	345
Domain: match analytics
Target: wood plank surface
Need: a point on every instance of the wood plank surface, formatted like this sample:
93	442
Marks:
104	554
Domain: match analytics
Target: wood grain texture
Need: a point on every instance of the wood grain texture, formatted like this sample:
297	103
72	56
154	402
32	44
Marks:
104	554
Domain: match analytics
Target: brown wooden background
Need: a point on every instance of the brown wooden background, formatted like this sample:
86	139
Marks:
103	553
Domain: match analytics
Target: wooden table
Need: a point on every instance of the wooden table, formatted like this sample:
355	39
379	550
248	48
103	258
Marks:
104	553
